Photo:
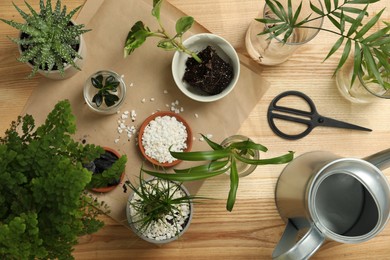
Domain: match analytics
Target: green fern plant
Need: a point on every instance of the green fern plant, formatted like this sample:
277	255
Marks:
48	38
44	206
370	51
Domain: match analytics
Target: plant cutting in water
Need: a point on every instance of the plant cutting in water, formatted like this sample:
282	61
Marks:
107	89
140	32
371	51
221	159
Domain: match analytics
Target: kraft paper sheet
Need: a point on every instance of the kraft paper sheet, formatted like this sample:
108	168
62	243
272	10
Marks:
147	73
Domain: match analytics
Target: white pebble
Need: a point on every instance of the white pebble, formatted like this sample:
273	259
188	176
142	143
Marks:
162	134
196	115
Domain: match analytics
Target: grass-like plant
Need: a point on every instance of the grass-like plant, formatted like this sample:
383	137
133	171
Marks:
48	37
371	51
220	159
107	89
155	200
140	32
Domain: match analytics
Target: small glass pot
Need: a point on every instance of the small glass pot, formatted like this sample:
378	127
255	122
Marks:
90	91
242	168
362	91
270	50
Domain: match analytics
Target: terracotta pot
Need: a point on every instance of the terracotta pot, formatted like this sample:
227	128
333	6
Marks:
109	188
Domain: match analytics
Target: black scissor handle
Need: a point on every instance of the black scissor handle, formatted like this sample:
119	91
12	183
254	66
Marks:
308	122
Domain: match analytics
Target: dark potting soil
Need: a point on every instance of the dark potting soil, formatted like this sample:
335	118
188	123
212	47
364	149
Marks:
212	76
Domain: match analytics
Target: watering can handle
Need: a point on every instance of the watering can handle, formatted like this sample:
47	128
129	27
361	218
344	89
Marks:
380	159
289	249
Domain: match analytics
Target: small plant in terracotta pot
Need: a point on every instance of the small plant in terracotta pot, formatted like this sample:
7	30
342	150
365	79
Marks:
210	70
107	171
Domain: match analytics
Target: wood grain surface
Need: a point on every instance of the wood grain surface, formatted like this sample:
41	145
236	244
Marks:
252	230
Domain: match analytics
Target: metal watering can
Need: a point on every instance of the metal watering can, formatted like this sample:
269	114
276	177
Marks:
322	196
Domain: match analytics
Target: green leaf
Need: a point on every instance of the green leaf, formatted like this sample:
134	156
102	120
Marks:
183	177
362	1
279	13
201	156
375	36
297	13
110	99
357	62
345	55
316	9
97	99
289	11
156	8
276	160
212	166
234	179
368	25
97	82
352	10
328	5
383	59
357	22
136	37
183	24
248	144
371	65
335	47
212	144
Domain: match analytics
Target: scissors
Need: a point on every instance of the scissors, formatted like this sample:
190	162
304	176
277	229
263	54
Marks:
313	118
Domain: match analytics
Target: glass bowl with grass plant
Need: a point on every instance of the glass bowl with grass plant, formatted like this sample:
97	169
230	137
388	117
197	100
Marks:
222	159
367	47
50	41
104	92
158	211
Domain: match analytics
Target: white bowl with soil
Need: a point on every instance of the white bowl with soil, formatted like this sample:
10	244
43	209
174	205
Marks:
215	77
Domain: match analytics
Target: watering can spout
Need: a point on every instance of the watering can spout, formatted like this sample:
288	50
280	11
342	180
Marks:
380	159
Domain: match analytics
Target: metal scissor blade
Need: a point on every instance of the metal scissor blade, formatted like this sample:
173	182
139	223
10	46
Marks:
330	122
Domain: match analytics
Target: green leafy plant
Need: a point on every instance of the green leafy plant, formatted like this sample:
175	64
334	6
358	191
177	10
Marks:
140	32
154	200
107	89
221	159
48	37
110	176
44	206
371	51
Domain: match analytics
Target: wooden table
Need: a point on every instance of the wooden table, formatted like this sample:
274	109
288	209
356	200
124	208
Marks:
252	230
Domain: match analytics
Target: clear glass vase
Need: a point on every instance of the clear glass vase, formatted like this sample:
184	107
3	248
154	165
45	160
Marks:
90	91
270	50
243	168
364	90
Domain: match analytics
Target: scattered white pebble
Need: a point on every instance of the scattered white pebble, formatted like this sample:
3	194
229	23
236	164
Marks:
131	84
122	76
209	136
165	91
196	115
116	140
151	99
143	100
201	139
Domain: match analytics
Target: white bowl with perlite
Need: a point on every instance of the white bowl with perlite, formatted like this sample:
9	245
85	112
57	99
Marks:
162	132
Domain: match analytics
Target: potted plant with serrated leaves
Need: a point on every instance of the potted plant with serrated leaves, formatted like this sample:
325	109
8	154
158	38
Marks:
50	41
107	171
104	92
232	154
205	67
158	211
368	49
44	206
